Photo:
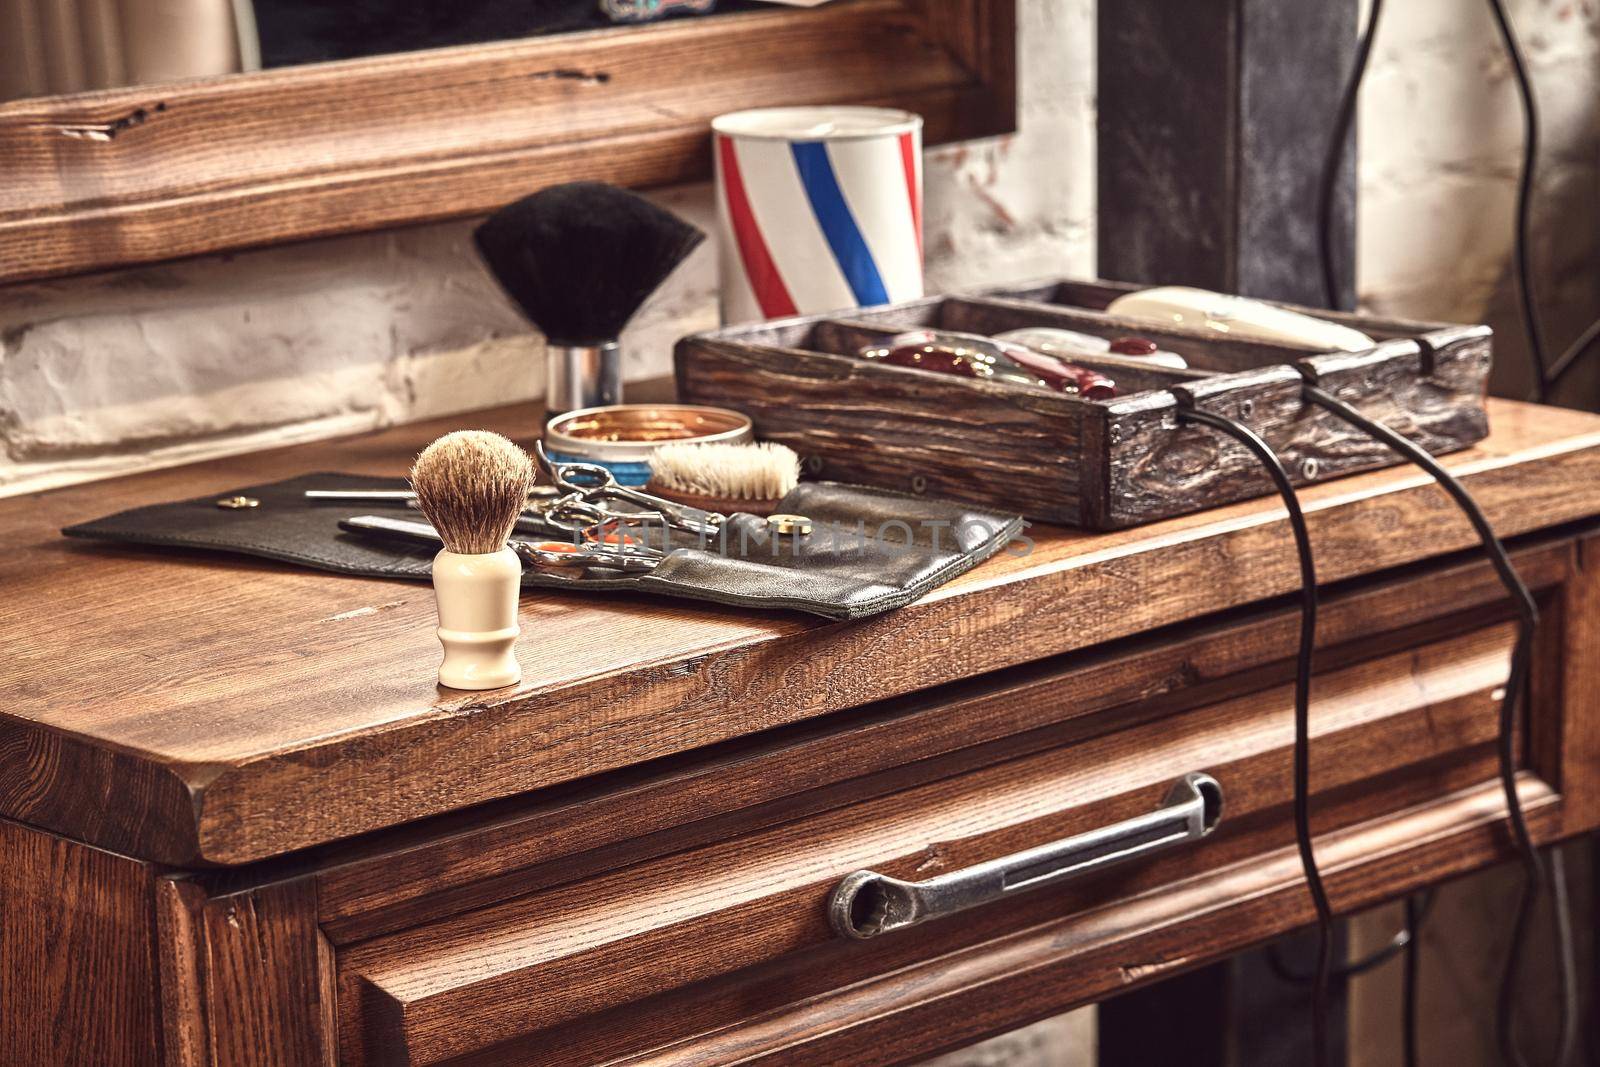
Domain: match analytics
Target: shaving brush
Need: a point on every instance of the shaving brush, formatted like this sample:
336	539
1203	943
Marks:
579	260
472	485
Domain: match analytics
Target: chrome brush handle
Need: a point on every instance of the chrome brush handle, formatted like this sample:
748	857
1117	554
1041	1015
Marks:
582	376
867	904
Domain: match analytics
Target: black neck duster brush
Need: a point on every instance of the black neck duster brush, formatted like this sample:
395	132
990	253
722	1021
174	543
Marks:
580	259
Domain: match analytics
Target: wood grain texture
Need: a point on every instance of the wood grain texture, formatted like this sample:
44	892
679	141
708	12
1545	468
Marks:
808	978
1125	461
1158	464
306	709
1426	380
715	928
1155	463
479	858
247	978
77	954
1564	729
134	175
857	421
445	989
997	985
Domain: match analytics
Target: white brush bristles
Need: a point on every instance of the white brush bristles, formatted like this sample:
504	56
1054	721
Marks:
764	471
472	485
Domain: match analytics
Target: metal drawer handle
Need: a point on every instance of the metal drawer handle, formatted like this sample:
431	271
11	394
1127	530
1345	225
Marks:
867	904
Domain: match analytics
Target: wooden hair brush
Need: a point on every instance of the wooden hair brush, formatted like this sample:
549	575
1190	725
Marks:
725	478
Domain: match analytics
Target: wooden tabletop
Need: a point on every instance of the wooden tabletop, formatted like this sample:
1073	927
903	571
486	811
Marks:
193	708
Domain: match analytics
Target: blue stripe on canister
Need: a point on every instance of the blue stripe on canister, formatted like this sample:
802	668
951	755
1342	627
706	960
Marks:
838	225
633	475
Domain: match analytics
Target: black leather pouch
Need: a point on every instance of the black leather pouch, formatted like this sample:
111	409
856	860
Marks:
869	550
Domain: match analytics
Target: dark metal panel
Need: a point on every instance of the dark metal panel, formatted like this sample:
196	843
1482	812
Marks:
1167	93
1295	59
1214	119
1214	122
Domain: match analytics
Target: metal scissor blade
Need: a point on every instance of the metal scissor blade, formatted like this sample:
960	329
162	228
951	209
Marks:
533	553
392	528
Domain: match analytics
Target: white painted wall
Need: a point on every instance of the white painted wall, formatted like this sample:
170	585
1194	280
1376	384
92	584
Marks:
1440	143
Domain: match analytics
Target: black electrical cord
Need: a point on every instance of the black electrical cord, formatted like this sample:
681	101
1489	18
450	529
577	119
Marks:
1569	358
1407	943
1409	980
1417	909
1569	960
1335	154
1535	876
1302	712
1551	375
1344	117
1546	374
1530	162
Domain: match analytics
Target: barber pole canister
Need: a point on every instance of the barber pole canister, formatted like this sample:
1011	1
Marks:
820	209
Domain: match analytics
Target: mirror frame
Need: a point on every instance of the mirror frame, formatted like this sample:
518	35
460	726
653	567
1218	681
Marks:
126	176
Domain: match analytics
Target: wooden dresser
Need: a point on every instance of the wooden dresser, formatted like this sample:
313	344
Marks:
243	826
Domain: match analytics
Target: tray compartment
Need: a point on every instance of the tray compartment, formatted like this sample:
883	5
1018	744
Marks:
1097	464
846	337
1075	294
999	311
854	420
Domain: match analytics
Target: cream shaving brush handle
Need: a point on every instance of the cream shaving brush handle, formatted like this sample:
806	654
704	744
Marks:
477	597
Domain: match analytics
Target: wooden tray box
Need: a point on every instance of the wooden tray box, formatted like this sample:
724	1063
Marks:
1098	464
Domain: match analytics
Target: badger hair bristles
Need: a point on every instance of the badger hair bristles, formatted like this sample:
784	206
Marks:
472	485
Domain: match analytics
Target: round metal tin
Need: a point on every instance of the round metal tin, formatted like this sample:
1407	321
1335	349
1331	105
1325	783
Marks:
623	436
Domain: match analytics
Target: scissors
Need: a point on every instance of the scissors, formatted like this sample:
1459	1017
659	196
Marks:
625	555
590	492
536	518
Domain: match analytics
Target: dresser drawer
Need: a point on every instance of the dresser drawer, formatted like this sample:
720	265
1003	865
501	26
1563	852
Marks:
658	946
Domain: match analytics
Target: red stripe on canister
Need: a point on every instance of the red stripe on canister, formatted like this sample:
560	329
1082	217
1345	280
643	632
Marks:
908	159
765	281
